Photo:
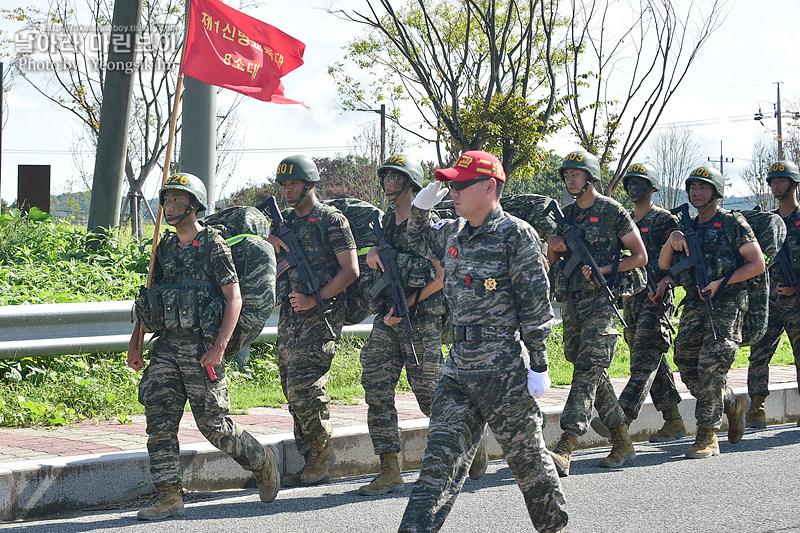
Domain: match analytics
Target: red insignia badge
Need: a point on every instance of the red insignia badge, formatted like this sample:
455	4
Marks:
452	251
469	280
717	224
797	222
195	243
646	230
314	219
594	220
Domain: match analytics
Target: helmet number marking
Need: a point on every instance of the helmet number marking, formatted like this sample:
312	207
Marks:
397	159
285	169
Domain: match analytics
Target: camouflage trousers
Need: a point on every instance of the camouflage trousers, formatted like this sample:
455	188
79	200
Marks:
173	376
648	337
304	352
590	338
704	362
382	359
784	314
458	415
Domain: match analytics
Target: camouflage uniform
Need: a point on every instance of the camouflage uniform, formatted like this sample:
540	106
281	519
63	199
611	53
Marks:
304	348
175	375
784	314
590	334
387	351
648	334
703	361
497	288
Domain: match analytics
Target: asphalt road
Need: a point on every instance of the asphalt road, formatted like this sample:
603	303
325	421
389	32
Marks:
753	487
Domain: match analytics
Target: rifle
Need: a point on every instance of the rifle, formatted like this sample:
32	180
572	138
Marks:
581	256
295	258
694	259
785	262
652	287
391	278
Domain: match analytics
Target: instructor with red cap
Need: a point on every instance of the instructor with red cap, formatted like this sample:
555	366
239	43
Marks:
497	288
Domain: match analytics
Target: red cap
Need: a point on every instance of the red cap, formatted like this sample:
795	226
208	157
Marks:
473	164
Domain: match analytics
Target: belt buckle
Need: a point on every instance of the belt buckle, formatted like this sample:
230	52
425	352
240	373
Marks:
476	333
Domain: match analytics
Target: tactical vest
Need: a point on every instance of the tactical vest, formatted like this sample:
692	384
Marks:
415	271
650	227
600	236
313	238
187	300
792	245
718	240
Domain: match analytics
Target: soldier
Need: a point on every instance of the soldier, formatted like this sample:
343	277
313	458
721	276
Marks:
730	251
497	288
783	177
649	331
387	350
590	334
194	279
305	347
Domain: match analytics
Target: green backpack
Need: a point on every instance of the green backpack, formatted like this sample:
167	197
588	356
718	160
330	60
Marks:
246	229
770	232
359	214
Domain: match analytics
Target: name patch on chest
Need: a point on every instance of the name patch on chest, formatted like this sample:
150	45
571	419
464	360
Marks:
594	220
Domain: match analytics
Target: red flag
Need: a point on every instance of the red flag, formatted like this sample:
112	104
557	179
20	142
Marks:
227	48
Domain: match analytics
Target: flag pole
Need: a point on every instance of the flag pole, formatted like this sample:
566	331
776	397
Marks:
173	121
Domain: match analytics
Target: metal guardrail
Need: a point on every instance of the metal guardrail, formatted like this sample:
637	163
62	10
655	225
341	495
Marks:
91	327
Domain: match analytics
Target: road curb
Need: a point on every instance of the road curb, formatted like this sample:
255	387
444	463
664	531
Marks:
37	488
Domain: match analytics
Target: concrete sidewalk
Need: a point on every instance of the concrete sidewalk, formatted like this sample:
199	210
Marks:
46	471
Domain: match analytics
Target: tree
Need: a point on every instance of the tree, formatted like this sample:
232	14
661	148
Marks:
546	180
674	153
80	66
644	60
480	74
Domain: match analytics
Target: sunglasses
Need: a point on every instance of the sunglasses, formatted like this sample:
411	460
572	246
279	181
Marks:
461	185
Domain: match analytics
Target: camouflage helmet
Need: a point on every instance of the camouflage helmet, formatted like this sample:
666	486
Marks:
581	160
297	167
708	175
405	165
190	183
641	170
783	169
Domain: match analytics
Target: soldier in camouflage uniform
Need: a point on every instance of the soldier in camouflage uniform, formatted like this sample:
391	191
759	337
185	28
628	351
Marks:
387	350
497	288
649	331
702	360
590	334
784	313
194	276
305	347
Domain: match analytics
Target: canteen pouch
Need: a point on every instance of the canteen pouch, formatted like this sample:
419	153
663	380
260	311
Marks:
149	310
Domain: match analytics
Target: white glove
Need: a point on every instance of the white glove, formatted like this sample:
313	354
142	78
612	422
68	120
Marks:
430	195
538	383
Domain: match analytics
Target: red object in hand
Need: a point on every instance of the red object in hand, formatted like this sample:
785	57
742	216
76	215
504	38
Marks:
211	374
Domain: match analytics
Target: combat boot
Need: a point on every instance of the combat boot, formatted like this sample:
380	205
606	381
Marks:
294	479
481	459
673	428
601	428
757	415
388	480
562	453
316	469
168	505
705	444
621	450
268	477
736	414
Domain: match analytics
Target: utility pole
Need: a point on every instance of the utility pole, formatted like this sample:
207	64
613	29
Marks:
382	113
779	116
721	159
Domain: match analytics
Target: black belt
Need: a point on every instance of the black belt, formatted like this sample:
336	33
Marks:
480	333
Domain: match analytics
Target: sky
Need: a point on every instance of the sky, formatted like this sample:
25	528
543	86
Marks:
734	75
